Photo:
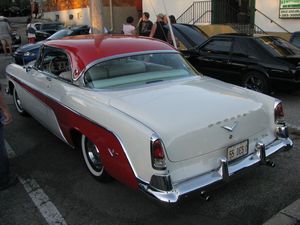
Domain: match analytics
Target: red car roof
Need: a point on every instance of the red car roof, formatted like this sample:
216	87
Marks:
85	49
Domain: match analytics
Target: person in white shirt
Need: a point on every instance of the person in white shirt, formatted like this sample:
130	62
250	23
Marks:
128	28
30	31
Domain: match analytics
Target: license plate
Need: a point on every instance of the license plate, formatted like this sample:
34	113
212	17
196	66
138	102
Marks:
238	150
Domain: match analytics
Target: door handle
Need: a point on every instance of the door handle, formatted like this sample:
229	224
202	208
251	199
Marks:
49	78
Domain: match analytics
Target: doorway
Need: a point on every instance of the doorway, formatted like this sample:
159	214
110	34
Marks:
233	11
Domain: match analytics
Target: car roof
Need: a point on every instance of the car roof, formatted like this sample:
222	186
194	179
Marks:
190	35
79	27
85	49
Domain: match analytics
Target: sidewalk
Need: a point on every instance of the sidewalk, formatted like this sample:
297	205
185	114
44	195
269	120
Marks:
291	214
287	216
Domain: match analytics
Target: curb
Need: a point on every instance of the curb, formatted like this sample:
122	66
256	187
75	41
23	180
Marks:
287	216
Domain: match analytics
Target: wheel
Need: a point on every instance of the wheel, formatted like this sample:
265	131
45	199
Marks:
92	158
18	103
257	82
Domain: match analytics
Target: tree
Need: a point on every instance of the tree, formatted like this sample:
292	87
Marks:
96	16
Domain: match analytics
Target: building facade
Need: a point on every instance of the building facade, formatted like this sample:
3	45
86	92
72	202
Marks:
77	11
267	15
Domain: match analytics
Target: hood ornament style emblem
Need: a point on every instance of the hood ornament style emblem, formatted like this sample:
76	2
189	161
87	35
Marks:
230	128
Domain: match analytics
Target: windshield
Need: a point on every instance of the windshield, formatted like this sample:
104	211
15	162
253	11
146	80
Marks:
60	34
296	41
139	69
278	47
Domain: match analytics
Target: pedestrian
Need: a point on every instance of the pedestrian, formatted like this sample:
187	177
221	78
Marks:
172	20
35	9
144	25
158	30
128	28
5	37
30	31
6	180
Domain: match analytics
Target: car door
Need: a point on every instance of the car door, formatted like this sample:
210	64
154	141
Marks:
44	76
240	59
213	57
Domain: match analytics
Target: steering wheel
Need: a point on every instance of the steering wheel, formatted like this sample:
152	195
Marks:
54	66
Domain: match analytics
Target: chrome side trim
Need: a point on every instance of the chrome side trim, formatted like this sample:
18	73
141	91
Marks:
220	175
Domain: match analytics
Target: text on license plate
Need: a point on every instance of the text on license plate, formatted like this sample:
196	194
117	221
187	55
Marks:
237	151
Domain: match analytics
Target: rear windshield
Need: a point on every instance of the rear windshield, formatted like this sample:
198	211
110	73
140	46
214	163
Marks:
138	69
278	47
60	34
51	26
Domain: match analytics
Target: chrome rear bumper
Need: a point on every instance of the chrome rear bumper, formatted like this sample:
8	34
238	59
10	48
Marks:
161	187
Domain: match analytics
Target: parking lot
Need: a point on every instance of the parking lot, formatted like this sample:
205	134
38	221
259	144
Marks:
55	187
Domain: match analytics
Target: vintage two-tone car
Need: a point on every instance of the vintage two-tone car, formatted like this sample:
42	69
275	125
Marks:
142	115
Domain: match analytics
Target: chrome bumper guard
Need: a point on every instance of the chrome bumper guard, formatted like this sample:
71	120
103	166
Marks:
161	187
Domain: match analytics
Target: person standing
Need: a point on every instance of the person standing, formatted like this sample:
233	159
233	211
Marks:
5	37
128	28
158	30
30	32
144	25
5	179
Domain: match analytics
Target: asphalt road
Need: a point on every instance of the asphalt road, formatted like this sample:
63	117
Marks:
65	193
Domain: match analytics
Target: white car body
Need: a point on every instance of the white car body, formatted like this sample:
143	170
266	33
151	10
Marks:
195	118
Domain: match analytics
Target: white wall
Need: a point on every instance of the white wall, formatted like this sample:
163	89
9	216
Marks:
174	7
271	9
82	17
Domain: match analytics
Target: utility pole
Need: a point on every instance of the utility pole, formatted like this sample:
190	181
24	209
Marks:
96	16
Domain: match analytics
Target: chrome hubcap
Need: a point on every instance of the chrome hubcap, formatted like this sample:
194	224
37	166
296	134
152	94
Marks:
18	102
93	156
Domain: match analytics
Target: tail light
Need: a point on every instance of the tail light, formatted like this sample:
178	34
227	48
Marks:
278	113
158	154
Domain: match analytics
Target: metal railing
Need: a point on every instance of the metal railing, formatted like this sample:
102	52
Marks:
247	28
272	21
201	12
198	12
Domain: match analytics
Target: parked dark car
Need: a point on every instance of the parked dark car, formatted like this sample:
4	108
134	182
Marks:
295	39
260	63
188	35
45	30
29	52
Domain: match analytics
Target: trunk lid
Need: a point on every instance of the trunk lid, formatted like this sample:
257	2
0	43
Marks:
189	115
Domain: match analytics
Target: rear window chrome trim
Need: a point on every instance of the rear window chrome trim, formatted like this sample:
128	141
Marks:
81	75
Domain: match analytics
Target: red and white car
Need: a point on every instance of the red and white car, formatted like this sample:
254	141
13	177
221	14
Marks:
142	115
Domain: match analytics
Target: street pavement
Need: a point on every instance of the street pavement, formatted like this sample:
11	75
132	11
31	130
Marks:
55	187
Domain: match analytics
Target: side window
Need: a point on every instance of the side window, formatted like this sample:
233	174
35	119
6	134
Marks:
219	46
240	48
55	62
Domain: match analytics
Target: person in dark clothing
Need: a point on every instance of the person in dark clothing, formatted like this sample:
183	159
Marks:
5	179
144	25
158	30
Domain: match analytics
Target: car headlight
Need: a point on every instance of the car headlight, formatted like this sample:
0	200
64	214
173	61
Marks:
29	54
